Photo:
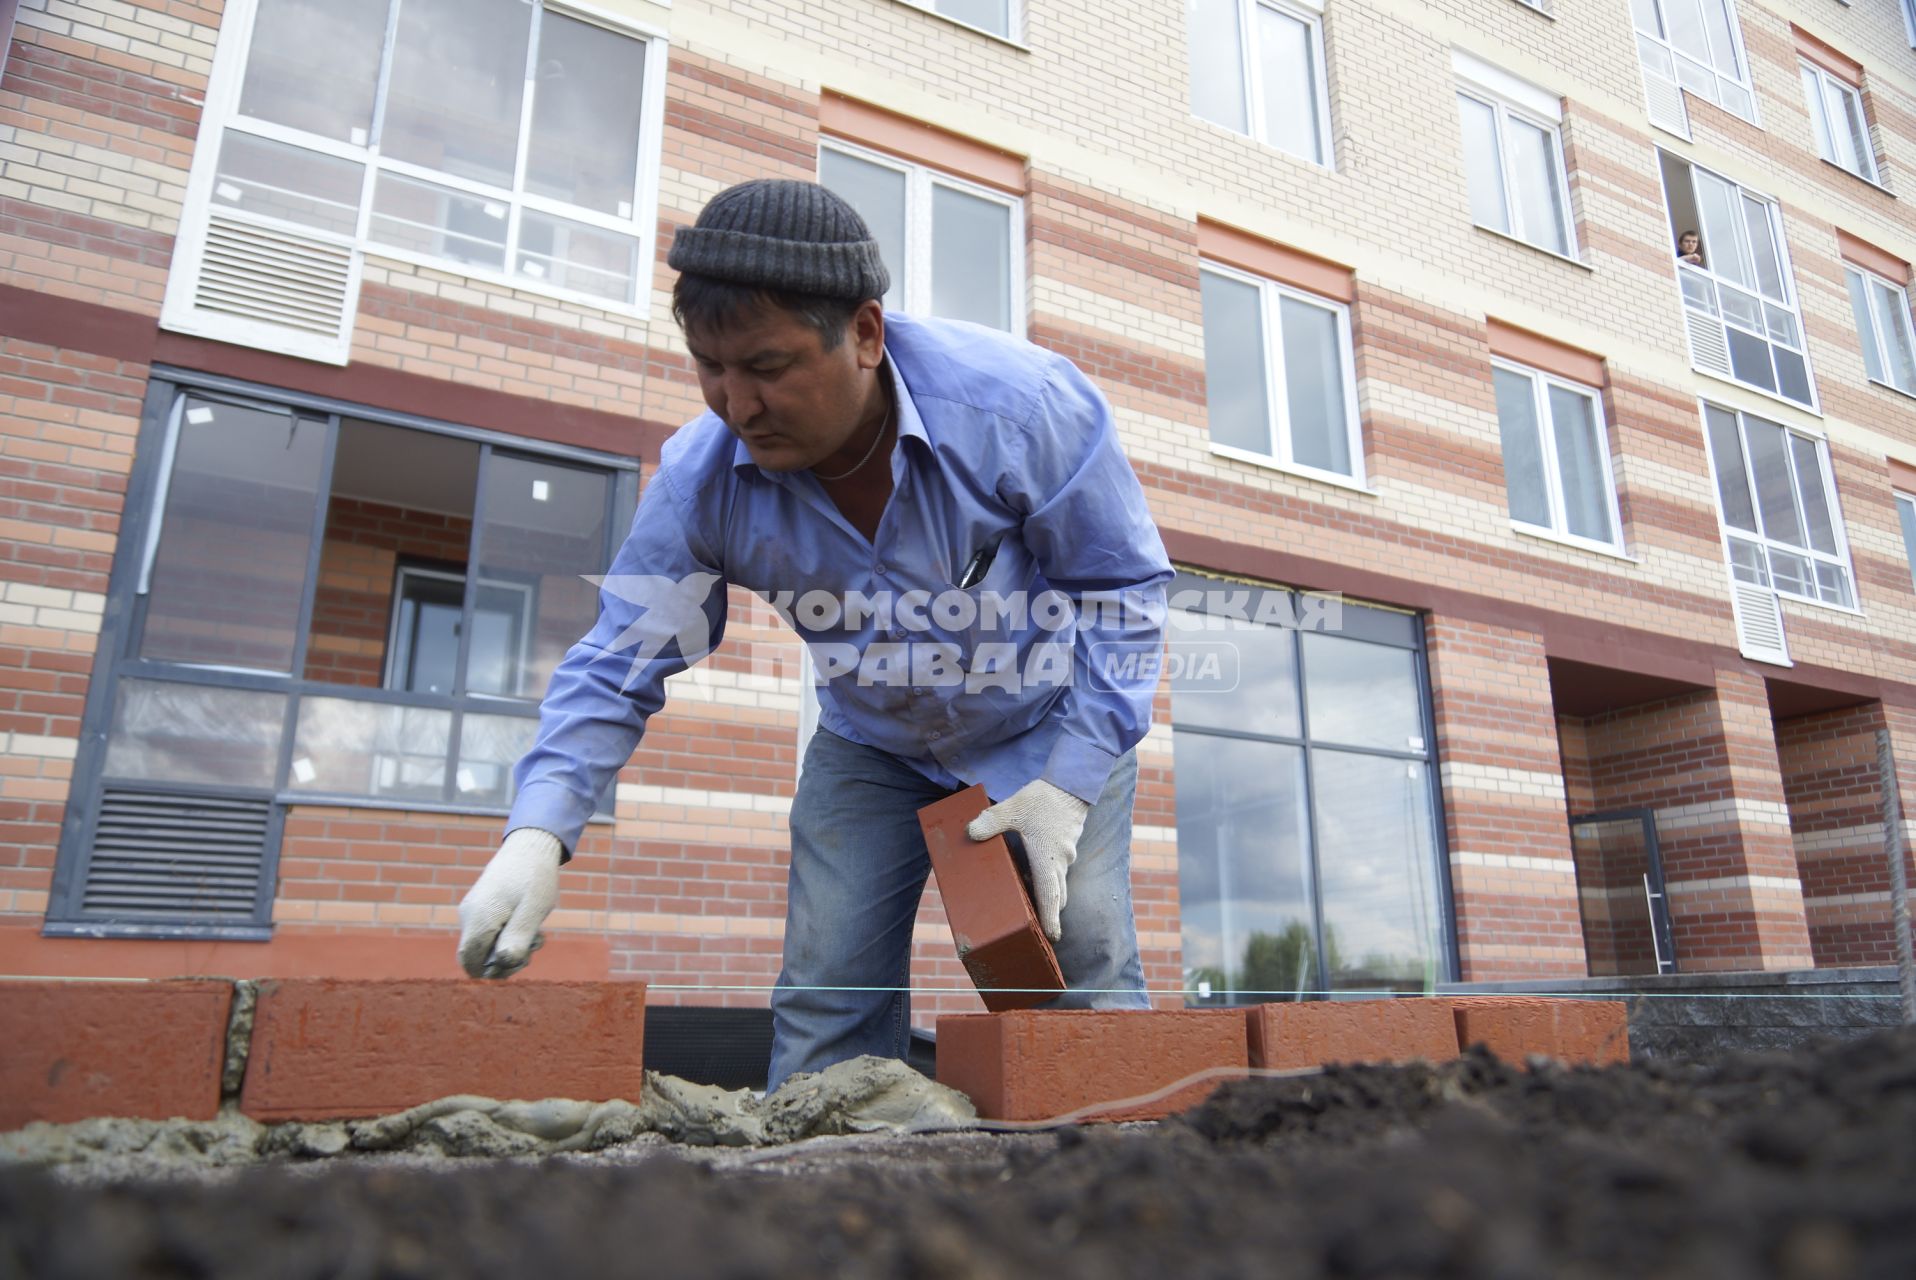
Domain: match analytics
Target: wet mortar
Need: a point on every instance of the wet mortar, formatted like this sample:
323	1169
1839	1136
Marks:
1796	1164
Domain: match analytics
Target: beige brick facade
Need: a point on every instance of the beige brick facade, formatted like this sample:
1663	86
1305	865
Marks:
1563	679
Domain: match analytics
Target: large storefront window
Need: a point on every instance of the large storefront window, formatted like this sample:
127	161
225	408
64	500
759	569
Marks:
1308	847
317	606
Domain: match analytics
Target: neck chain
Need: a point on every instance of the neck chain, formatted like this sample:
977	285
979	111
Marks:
884	428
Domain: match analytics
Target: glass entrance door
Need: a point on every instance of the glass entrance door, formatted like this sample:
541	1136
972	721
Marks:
1620	893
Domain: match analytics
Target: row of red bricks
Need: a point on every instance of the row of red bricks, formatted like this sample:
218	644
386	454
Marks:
323	1049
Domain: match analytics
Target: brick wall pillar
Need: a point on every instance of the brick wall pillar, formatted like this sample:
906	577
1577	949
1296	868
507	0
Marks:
1835	796
1706	764
1512	876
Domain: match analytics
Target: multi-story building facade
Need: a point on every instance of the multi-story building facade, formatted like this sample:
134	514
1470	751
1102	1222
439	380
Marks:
1562	578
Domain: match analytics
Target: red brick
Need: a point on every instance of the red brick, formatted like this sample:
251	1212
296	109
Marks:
325	1050
1289	1035
997	932
152	1050
1595	1032
1041	1064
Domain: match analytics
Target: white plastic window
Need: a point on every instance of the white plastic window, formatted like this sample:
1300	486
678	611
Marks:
998	17
1556	452
1277	367
1514	163
951	246
1257	67
503	138
1837	120
1883	324
1698	44
1778	504
1906	517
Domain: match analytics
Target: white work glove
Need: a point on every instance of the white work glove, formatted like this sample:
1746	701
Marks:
1049	820
500	915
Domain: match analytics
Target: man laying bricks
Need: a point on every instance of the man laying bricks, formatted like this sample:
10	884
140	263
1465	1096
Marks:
945	516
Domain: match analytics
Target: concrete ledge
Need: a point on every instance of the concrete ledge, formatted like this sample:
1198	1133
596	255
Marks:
149	1050
327	1050
1588	1032
1295	1034
1039	1065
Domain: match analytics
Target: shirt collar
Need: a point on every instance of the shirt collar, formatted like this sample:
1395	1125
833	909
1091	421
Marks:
909	424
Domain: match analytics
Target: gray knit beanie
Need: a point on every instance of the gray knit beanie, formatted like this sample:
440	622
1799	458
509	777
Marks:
774	233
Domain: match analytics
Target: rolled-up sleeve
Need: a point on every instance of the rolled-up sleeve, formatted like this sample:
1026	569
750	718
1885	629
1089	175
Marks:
1093	538
661	608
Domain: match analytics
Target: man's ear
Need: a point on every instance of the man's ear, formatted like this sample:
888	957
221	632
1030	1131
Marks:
868	333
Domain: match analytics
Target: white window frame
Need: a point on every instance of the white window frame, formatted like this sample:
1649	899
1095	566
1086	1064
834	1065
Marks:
1014	20
1277	401
1699	289
1251	68
1879	332
1676	59
1510	97
1764	577
1824	126
914	282
222	114
1906	503
1558	528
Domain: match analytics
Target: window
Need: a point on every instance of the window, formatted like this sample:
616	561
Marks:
1308	849
500	138
998	17
1740	305
1513	157
1278	375
1836	118
1696	44
952	247
325	608
1883	324
1778	503
1909	21
1906	516
1556	457
1257	67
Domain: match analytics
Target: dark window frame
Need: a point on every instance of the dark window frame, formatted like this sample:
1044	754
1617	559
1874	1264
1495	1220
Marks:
116	656
1373	625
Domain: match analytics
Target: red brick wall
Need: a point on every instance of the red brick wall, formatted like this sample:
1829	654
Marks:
1830	774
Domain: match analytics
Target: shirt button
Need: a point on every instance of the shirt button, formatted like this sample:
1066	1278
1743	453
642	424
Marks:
933	736
918	693
878	568
897	634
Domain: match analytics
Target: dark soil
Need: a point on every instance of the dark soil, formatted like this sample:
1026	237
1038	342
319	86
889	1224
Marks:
1798	1165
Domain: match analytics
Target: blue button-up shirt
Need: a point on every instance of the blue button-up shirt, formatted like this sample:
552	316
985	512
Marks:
1044	667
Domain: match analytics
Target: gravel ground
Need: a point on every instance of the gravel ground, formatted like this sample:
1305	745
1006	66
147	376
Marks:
1798	1165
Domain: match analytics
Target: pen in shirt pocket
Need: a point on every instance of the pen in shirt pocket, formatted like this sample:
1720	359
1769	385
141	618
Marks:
979	564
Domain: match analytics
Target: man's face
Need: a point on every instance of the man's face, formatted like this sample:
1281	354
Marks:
1687	244
768	375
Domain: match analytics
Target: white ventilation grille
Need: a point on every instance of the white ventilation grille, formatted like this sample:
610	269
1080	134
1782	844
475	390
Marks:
1759	623
1709	347
275	277
264	285
160	856
1667	109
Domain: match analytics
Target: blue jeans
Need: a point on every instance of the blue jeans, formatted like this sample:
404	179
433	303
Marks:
858	869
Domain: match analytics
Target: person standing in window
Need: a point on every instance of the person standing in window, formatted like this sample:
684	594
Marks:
1690	249
916	468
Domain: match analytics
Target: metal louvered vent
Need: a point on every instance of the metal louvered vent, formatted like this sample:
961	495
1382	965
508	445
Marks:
1759	623
1709	348
274	276
1667	108
173	855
